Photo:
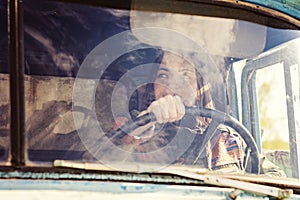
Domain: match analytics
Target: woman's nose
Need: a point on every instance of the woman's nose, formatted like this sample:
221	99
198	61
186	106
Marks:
178	85
181	87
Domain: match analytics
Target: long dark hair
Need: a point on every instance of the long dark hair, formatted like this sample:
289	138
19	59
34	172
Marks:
144	95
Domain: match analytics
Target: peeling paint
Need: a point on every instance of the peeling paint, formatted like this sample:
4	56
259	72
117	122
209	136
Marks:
91	176
112	190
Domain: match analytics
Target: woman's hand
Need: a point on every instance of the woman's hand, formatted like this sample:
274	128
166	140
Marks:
167	109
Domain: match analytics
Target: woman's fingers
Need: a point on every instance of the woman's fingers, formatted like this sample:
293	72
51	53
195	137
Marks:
167	109
156	108
172	110
180	108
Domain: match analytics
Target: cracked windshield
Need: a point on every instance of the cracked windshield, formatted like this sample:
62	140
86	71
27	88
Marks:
148	88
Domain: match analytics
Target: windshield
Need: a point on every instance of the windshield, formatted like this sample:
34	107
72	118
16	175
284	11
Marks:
149	87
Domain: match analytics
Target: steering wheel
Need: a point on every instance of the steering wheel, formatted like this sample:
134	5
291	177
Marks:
218	118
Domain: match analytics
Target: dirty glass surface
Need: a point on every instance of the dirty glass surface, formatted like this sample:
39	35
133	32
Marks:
91	71
4	85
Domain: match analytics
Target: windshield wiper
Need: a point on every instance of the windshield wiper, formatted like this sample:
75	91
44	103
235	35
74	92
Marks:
237	184
200	175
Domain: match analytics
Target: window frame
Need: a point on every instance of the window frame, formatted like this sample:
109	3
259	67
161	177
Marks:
16	63
283	54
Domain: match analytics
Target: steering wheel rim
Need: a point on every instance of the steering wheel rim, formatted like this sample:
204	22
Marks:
218	118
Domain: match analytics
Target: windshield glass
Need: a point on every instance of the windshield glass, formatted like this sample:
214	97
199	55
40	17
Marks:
222	93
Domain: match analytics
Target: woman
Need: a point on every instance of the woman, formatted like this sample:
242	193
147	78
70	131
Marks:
177	86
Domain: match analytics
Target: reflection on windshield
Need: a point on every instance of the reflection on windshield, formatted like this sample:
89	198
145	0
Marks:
89	80
203	30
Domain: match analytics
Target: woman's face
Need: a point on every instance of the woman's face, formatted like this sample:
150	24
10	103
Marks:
176	76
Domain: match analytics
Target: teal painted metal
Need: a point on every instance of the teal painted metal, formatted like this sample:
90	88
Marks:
290	7
35	189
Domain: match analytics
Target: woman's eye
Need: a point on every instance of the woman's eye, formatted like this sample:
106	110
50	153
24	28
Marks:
186	76
162	76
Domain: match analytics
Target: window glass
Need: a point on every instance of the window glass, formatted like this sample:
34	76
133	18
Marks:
57	38
92	71
273	124
4	85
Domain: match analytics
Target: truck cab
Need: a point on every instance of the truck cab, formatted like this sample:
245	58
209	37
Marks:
71	72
